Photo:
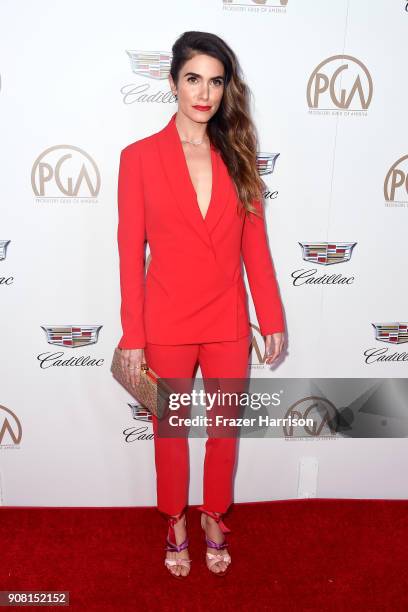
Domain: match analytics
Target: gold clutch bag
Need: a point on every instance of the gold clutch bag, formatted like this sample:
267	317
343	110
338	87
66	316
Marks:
151	392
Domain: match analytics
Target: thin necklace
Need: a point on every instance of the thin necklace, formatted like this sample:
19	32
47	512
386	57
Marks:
193	142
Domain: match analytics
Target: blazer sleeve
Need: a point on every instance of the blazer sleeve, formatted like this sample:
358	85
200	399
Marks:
131	239
261	273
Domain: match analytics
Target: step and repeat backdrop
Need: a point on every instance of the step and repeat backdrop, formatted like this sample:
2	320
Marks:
329	97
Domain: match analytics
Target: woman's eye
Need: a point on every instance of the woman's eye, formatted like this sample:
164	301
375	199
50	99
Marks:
216	81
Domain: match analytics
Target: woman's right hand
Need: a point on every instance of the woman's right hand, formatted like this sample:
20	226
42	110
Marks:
131	361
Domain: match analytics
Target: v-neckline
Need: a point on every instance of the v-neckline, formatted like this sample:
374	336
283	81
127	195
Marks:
212	161
183	195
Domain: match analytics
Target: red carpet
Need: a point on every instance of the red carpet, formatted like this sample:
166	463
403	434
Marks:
313	554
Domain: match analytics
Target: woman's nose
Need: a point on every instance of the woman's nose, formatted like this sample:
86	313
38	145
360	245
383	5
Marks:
204	93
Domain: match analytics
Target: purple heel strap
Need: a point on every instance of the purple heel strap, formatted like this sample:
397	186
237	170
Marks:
212	544
176	548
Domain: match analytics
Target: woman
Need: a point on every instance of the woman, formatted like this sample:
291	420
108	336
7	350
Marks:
192	190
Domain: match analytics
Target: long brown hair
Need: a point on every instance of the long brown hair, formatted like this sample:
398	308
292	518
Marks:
231	129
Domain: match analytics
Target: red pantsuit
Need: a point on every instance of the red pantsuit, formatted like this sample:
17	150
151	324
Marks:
192	303
228	359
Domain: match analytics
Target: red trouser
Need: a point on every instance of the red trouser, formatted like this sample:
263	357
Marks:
216	360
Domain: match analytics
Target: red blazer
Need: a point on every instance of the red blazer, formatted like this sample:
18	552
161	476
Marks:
194	290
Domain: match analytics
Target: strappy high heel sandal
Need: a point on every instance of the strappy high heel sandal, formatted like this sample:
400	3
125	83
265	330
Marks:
213	559
173	547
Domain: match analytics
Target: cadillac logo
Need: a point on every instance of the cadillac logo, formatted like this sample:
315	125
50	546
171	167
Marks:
265	162
394	333
327	253
72	336
3	248
141	414
152	64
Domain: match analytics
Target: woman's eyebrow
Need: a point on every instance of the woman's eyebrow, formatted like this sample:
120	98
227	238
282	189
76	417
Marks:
199	75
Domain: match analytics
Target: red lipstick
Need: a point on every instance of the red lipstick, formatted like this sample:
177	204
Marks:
202	108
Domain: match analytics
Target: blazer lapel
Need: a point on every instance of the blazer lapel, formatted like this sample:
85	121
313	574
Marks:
176	171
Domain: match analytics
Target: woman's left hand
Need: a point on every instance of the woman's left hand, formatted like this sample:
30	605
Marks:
273	346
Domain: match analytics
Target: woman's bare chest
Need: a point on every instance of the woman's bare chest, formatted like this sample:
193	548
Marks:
200	170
